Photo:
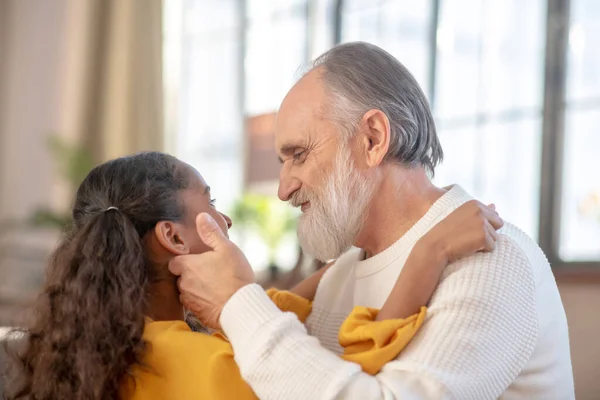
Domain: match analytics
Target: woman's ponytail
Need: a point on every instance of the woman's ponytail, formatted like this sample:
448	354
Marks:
91	313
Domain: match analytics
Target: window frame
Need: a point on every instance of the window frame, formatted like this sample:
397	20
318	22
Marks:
553	131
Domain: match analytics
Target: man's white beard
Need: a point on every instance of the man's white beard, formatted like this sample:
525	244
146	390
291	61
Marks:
332	223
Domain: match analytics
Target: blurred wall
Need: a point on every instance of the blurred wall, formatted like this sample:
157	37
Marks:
3	62
582	302
32	89
29	101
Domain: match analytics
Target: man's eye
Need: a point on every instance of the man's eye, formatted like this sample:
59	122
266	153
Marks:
297	156
212	202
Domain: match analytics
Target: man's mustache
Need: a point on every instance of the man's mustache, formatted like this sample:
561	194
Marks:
298	199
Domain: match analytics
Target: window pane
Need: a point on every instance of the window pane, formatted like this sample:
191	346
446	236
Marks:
276	47
497	163
401	27
209	135
457	70
489	79
583	78
580	218
490	57
458	168
580	199
511	170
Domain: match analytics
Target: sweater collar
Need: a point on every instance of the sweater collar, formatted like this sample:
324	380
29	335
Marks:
451	200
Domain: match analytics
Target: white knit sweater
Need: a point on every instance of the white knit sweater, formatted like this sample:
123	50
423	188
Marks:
496	328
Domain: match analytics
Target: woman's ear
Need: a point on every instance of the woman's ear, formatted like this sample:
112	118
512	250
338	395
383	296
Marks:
171	238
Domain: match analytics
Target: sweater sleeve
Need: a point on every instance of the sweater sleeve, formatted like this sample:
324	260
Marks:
480	333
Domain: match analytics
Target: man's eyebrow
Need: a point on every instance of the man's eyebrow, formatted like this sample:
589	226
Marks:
207	189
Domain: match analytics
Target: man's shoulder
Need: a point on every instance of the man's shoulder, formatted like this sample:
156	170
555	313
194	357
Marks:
516	244
514	250
513	266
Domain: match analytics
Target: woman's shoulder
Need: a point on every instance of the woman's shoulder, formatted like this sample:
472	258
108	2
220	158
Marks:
180	363
176	338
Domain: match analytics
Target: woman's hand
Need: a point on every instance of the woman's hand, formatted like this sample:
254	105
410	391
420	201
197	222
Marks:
467	230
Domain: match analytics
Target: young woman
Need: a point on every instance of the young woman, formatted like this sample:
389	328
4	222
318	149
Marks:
109	323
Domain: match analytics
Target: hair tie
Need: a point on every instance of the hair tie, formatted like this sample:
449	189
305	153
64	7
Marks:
111	208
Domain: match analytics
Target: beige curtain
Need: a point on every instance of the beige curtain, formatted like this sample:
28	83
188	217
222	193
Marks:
88	71
121	81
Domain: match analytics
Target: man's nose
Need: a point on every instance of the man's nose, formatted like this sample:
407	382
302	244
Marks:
288	185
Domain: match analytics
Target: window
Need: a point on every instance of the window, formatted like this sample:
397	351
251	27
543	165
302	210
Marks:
204	91
276	47
580	205
514	88
488	102
496	73
400	27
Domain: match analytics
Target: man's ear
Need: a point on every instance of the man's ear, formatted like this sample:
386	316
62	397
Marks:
375	139
171	238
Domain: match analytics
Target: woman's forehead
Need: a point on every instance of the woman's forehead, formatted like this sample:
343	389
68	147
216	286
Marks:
197	180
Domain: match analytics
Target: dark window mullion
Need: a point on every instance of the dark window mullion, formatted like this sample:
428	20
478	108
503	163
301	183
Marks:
435	21
337	22
557	36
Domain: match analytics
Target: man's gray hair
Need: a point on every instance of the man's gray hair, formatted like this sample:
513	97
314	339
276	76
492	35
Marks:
360	77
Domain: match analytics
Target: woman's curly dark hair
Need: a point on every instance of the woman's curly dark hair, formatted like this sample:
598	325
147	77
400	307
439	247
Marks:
88	323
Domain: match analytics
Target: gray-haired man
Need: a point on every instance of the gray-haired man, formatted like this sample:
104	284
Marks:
357	140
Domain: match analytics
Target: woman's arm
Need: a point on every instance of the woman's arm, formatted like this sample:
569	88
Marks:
469	229
308	287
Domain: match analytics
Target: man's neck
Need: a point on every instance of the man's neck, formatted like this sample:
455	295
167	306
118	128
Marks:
402	199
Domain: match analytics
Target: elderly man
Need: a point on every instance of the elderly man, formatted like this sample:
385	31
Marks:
358	143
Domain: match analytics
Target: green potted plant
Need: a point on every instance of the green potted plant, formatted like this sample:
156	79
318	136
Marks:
73	162
270	218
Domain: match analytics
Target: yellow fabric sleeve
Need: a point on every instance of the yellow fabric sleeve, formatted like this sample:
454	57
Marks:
372	344
287	301
367	342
